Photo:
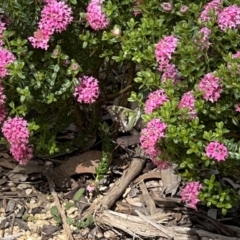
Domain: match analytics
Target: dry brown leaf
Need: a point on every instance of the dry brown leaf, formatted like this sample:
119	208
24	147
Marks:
89	142
83	163
2	181
17	177
7	163
31	167
170	180
4	155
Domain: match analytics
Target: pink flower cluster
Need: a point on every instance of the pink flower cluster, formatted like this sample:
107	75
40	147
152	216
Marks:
229	17
214	5
211	87
55	17
150	135
160	164
190	193
205	32
95	16
136	8
165	48
2	28
87	91
216	151
188	101
3	112
163	52
155	100
6	57
235	56
170	72
16	132
237	107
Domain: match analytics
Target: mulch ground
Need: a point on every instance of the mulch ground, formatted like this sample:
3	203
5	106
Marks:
134	201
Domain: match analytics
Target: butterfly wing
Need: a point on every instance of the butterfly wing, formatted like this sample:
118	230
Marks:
125	116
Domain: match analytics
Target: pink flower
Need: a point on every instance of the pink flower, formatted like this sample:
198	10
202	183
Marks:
2	95
205	33
237	107
155	100
167	7
136	8
188	101
160	164
40	39
150	135
90	188
215	6
229	18
170	72
55	17
3	113
21	153
87	91
216	151
96	18
2	28
235	56
190	192
6	57
165	48
15	130
211	87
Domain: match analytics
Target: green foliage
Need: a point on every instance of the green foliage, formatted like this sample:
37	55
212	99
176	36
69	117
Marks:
81	224
213	194
56	215
74	203
77	196
40	83
105	160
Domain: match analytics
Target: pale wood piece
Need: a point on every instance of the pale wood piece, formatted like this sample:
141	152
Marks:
142	227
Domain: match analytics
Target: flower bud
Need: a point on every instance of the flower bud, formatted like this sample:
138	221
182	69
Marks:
184	9
117	31
167	7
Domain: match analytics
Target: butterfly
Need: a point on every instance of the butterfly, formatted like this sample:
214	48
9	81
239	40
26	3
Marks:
127	118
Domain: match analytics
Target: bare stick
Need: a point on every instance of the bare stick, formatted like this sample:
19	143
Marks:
66	227
119	187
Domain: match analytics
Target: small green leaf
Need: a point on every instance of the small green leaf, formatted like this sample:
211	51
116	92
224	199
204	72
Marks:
54	211
78	194
224	211
69	205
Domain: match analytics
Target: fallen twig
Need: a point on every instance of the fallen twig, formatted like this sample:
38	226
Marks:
118	188
66	227
12	237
